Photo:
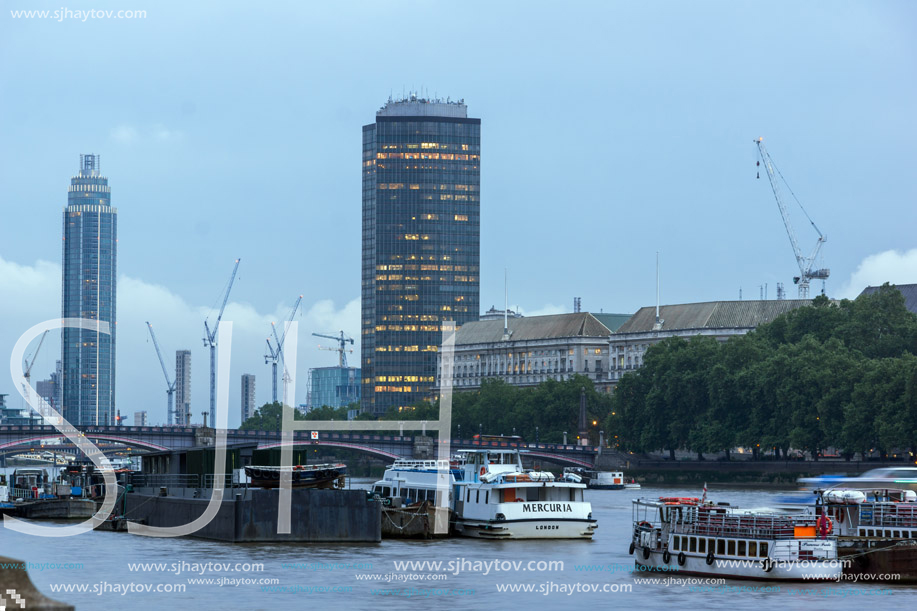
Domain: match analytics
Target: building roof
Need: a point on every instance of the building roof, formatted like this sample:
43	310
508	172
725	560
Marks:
612	321
711	315
908	290
581	324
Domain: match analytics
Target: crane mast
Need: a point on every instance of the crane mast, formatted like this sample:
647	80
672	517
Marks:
276	354
170	384
210	342
807	271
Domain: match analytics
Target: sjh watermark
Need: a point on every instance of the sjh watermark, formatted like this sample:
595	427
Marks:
443	427
66	14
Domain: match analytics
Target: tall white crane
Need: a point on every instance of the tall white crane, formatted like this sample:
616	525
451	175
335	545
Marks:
170	384
341	350
210	342
807	271
276	354
27	374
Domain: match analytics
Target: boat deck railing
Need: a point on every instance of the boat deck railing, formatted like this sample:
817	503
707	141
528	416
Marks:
170	480
746	526
888	514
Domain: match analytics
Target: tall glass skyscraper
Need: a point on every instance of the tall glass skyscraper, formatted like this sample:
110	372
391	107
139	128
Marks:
421	243
89	291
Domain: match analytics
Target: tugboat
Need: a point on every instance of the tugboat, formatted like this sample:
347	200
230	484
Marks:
496	498
696	537
331	475
877	530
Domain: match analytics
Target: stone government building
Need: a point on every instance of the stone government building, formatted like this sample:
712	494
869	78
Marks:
602	347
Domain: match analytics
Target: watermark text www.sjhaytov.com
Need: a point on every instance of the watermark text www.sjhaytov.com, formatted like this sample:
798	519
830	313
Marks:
66	14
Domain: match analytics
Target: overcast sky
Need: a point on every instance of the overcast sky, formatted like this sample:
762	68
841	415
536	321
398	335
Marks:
610	131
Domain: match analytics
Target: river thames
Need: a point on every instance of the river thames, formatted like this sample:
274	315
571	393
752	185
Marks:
122	571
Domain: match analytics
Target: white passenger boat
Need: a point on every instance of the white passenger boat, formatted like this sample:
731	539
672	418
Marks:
495	498
414	481
698	538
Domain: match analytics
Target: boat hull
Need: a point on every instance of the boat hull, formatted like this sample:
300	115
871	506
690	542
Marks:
726	568
320	478
543	528
883	557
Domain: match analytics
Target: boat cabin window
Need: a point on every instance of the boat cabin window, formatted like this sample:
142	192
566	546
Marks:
888	533
762	550
487	497
752	548
693	543
741	548
386	491
468	496
675	541
477	496
684	543
720	547
702	546
732	548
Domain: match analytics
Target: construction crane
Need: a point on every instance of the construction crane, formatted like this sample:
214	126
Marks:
807	271
27	374
210	342
170	384
341	350
276	354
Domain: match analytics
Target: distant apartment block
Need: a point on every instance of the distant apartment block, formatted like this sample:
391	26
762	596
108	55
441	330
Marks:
248	396
183	387
140	419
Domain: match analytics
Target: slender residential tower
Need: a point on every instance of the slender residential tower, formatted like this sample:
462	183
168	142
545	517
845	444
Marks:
421	243
183	387
89	290
248	396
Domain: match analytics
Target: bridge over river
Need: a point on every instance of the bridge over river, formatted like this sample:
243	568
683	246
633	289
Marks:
385	446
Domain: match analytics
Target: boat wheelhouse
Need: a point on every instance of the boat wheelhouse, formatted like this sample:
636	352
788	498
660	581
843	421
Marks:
496	498
699	538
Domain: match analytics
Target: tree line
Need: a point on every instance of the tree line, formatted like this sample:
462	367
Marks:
542	413
833	375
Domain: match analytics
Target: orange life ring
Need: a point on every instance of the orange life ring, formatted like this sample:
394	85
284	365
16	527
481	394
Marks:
520	500
829	524
483	470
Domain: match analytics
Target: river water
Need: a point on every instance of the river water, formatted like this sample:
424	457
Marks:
348	576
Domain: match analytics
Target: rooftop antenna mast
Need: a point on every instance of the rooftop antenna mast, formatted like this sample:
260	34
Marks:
658	324
505	305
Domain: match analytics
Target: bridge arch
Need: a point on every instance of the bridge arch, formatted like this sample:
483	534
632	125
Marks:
125	440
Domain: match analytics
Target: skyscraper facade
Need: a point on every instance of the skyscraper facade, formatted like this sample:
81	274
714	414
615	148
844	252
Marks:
421	243
183	387
90	245
248	396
